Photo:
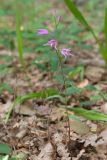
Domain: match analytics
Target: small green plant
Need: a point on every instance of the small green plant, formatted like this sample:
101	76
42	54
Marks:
102	45
44	94
68	88
5	86
5	150
19	39
93	115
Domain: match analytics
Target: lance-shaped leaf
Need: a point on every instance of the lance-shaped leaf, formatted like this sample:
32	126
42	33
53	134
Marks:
72	7
89	114
105	26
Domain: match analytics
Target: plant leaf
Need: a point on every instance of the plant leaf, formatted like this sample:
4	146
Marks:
72	90
103	51
89	114
6	157
81	19
105	26
77	125
5	86
5	149
19	38
42	94
76	13
62	99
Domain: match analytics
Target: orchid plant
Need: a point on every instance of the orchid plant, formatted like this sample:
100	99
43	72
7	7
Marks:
54	44
64	52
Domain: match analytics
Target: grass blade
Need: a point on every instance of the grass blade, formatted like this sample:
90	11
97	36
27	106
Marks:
76	13
89	114
105	26
19	38
35	95
72	7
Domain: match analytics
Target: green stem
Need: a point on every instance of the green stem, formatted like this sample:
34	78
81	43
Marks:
64	85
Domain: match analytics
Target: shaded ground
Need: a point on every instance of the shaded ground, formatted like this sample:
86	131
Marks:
37	129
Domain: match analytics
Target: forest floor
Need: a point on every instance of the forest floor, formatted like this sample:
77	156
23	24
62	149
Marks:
37	129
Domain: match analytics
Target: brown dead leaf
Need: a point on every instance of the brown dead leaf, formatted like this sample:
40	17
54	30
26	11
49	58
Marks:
83	84
4	108
79	127
25	109
57	114
61	147
46	153
104	108
94	73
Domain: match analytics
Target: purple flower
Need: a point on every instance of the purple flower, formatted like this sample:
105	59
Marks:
66	52
52	43
42	32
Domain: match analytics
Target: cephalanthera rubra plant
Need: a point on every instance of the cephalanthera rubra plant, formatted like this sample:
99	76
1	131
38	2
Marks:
66	52
63	52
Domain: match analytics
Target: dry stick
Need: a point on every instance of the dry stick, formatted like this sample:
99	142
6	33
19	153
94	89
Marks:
48	123
27	77
48	120
60	62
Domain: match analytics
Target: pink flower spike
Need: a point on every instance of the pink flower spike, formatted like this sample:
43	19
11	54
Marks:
66	52
52	43
42	32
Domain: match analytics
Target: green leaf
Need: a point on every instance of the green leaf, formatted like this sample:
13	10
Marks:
5	158
43	94
59	78
5	149
78	126
75	71
72	116
95	98
6	58
90	87
3	70
62	99
105	26
41	66
103	51
76	13
103	95
72	90
5	86
72	7
54	63
19	38
89	114
86	103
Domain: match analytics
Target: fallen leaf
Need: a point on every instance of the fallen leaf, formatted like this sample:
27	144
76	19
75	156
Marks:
94	73
83	84
79	127
46	153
